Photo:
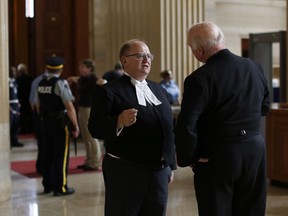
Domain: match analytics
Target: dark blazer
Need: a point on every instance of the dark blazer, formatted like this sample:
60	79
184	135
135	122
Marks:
223	101
143	143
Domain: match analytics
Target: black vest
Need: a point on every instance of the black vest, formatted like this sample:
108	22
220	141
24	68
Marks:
49	101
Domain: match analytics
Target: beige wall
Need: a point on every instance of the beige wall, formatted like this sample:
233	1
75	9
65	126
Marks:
240	18
5	178
163	27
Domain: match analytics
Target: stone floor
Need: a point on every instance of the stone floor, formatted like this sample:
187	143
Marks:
88	200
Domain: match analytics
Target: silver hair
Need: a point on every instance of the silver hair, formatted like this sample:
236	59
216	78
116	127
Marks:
206	35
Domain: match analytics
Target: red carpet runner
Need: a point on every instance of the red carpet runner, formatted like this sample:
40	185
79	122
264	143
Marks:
27	168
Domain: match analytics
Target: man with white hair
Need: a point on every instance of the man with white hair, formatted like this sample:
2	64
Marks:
218	128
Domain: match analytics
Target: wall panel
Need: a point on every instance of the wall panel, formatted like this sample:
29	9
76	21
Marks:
164	27
177	17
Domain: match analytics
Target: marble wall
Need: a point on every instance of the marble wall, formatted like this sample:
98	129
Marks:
164	27
240	18
5	178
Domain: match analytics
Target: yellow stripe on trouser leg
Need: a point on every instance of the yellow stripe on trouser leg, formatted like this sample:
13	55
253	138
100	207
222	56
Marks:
65	159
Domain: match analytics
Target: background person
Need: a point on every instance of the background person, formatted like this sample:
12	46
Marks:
24	81
86	84
55	106
113	74
134	118
170	86
14	109
218	127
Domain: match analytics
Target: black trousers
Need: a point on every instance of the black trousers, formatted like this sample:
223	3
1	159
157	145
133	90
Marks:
134	191
39	136
55	154
14	128
233	182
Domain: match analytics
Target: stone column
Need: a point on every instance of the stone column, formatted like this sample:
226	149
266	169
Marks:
286	44
163	27
5	177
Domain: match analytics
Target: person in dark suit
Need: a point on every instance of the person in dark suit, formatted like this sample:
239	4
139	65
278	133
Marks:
218	128
134	118
113	74
24	81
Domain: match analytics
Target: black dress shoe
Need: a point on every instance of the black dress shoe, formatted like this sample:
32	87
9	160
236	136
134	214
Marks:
47	191
81	166
68	192
87	168
17	144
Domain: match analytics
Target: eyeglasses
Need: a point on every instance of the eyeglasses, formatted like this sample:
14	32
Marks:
142	56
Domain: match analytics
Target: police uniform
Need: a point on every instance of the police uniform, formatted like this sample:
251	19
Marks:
14	113
53	92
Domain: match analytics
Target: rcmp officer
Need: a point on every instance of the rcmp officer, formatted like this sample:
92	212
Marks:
55	106
14	109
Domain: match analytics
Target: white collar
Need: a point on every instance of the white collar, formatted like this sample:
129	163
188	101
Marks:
144	93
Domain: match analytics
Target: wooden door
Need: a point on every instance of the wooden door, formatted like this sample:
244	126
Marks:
59	27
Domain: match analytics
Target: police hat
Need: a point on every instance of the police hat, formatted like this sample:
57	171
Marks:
54	62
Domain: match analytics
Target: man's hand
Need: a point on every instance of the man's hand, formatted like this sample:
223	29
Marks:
127	118
76	132
201	160
171	177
